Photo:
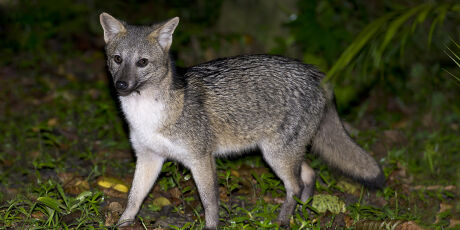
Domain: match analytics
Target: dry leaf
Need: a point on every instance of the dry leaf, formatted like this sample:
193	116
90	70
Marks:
113	183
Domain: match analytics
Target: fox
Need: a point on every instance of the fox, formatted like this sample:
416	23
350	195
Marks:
222	108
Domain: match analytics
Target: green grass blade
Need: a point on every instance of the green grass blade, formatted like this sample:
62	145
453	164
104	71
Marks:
80	199
62	194
51	203
457	78
453	59
454	54
456	44
82	196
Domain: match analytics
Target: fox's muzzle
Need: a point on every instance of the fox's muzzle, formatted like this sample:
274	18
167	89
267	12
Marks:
125	82
125	88
121	85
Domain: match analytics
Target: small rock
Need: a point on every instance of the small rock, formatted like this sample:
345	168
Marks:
115	207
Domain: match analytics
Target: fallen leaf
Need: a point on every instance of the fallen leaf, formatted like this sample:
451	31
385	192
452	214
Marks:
348	187
121	188
326	202
113	183
161	201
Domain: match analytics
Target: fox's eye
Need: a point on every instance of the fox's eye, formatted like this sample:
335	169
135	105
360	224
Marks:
117	59
142	62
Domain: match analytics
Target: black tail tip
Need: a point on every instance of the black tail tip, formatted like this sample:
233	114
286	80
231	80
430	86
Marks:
375	183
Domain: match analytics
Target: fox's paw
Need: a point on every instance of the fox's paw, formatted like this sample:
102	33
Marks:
124	223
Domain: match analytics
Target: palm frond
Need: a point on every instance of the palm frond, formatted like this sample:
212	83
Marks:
388	27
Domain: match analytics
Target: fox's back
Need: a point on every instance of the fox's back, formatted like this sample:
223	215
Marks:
249	96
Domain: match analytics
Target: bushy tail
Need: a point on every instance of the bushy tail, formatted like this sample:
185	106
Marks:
336	147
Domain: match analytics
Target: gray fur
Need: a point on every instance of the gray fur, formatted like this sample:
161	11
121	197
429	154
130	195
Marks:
223	107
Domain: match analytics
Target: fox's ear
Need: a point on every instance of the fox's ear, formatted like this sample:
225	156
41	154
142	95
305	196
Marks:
165	32
111	26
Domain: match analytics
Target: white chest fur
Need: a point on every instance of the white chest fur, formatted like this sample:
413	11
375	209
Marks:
146	116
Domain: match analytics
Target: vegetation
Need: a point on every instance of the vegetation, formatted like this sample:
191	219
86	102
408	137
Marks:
65	157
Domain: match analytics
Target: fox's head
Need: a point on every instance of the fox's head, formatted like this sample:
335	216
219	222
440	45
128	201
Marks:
137	54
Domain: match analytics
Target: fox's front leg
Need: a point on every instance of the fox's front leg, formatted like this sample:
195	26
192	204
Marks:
148	166
204	174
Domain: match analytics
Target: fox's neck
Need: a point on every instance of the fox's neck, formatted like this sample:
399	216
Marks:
169	91
174	89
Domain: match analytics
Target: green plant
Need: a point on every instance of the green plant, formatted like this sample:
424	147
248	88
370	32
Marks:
379	33
268	182
53	209
454	56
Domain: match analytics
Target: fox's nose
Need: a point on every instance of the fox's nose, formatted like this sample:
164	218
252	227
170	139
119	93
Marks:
121	85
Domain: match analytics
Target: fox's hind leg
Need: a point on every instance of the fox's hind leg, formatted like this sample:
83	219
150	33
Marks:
286	163
307	175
